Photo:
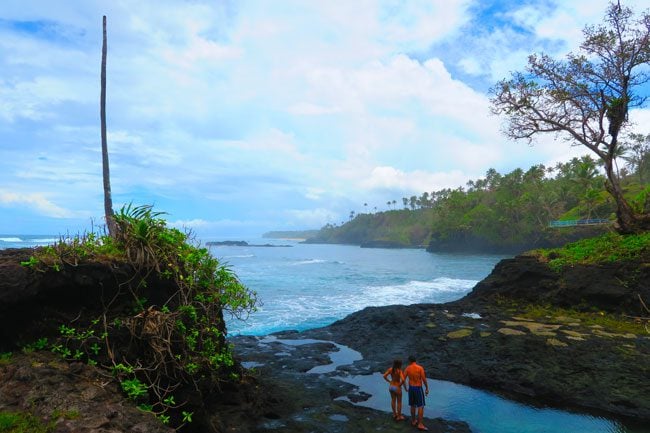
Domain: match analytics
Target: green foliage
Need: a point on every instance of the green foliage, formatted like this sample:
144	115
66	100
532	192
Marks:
406	228
610	247
5	357
121	368
181	342
134	389
25	422
22	422
500	212
30	263
40	344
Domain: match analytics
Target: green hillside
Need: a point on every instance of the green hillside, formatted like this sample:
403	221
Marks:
498	213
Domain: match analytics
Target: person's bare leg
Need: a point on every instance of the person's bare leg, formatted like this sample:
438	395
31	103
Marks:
421	426
399	408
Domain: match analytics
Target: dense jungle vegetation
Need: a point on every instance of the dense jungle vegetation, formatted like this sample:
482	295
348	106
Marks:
504	212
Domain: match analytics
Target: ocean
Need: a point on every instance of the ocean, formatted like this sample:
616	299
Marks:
302	286
23	241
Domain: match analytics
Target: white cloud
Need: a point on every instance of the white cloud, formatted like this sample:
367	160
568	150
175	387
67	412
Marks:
640	121
302	218
230	113
314	193
37	98
471	65
311	109
202	224
417	24
390	178
36	202
568	21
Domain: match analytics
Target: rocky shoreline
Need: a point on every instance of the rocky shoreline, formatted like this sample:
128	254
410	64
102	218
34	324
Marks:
525	332
304	392
544	353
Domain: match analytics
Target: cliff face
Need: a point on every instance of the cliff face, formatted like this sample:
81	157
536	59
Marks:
615	287
34	303
66	310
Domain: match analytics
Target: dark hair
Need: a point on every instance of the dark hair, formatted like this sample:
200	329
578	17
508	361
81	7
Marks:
412	358
397	366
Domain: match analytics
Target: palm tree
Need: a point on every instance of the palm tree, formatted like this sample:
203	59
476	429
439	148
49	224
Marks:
108	201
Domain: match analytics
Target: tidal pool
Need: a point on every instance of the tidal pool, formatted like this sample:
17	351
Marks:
485	412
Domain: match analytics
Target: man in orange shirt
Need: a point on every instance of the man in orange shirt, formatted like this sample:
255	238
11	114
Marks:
415	377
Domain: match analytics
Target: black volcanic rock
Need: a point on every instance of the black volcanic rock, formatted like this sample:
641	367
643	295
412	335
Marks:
613	286
557	360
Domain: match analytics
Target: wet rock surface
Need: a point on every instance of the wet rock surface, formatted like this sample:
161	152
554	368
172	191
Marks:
301	401
556	361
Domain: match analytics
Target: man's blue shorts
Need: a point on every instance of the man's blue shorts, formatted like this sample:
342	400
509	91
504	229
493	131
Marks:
416	396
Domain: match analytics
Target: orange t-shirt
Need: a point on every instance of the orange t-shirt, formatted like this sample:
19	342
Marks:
415	374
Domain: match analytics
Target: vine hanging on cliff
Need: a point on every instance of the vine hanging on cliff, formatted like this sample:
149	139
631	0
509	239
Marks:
163	330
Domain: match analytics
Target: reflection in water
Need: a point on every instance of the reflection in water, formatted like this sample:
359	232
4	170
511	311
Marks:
486	412
483	411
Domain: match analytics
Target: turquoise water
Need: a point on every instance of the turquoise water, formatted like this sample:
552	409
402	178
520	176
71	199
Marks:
488	413
306	286
483	411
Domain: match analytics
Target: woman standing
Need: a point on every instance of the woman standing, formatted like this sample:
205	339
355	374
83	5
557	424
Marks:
395	382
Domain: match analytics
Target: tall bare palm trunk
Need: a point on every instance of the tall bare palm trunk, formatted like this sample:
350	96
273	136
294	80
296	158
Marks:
108	201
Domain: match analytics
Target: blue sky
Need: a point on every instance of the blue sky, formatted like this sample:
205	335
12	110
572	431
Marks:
239	117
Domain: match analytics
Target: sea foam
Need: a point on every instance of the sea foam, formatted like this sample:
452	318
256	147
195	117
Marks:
11	240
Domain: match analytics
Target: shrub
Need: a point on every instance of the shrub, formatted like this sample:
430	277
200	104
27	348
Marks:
160	348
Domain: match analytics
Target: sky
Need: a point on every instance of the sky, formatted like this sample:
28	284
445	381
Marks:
239	117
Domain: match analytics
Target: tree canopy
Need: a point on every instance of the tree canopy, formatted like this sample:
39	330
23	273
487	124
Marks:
585	98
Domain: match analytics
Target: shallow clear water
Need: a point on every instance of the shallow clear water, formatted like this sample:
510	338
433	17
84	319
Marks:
488	413
483	411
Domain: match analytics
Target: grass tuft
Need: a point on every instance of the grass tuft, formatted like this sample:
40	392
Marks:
610	247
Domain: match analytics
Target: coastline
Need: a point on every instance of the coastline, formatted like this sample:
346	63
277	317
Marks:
482	340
